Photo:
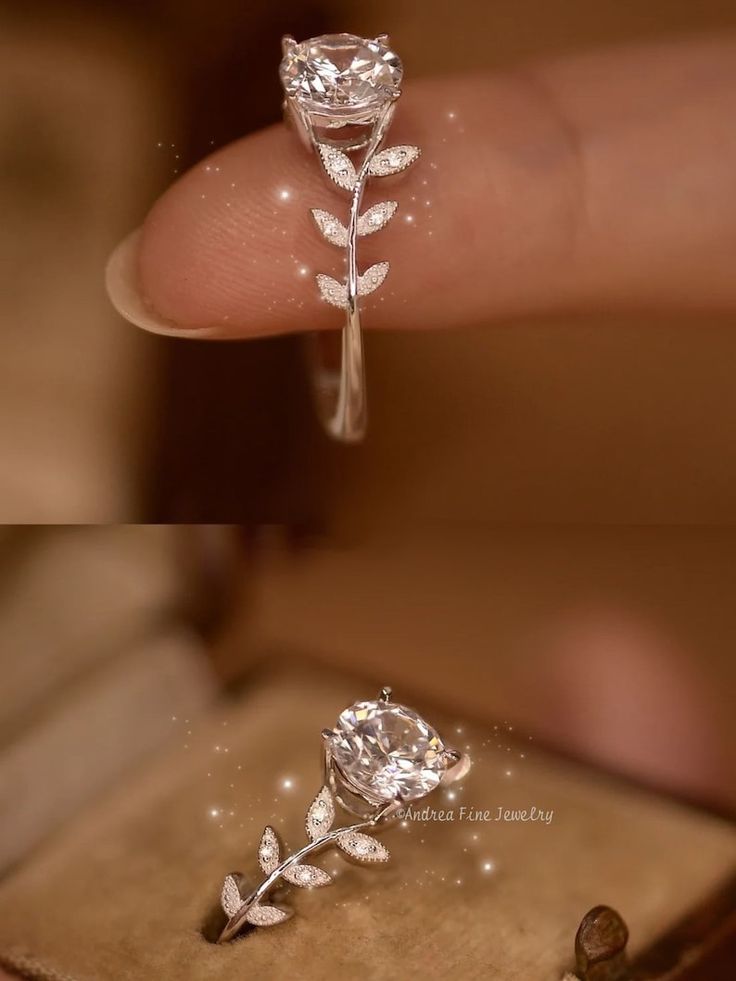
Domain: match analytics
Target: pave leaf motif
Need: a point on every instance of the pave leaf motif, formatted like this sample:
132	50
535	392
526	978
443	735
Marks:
337	293
331	291
370	221
393	160
362	847
269	850
319	821
341	169
321	814
376	217
339	166
332	228
230	898
308	876
372	278
259	915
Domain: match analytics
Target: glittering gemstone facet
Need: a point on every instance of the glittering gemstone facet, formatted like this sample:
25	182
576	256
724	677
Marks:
341	71
387	750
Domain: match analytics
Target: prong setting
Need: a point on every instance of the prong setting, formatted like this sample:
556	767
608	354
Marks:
340	93
288	43
405	739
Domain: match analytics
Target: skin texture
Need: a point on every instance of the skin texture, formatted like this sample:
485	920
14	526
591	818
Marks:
601	182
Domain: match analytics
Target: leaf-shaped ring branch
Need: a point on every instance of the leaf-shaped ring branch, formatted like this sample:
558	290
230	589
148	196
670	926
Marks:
369	778
352	840
321	102
340	169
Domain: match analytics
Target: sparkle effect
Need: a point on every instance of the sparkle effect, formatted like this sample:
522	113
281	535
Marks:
230	806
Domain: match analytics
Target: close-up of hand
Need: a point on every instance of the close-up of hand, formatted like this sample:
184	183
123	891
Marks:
596	182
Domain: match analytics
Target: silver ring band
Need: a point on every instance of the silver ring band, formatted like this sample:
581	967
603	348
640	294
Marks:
333	83
380	757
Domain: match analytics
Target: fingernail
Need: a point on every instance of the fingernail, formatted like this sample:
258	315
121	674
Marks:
121	282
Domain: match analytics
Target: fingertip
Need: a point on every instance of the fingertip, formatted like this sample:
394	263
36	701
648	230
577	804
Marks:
122	282
224	248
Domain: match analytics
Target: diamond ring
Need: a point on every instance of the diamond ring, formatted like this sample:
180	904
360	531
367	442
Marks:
340	94
380	757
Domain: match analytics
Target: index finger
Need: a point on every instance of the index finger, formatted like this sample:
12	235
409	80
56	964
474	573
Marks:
600	181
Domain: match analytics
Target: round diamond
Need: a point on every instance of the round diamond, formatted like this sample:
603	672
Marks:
387	750
341	71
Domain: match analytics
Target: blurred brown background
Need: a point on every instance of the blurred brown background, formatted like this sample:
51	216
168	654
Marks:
616	421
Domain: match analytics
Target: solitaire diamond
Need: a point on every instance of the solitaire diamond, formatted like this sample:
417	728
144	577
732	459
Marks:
341	71
387	750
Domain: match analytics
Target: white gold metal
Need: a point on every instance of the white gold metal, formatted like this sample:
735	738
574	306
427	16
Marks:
332	83
355	840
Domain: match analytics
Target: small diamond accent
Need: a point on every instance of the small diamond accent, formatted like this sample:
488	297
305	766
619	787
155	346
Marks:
376	217
393	160
369	222
332	229
321	814
268	850
372	278
266	915
337	293
339	166
363	847
331	291
230	898
308	876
